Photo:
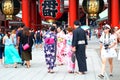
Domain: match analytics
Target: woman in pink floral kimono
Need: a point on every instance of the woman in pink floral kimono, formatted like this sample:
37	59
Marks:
60	46
70	54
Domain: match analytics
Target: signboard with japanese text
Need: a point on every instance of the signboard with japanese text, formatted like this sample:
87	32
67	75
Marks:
51	9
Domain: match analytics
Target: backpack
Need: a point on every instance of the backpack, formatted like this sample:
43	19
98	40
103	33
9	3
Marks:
1	38
38	35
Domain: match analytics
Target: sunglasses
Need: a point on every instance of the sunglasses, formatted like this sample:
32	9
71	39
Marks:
105	28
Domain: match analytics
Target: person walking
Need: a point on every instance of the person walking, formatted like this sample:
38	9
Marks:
60	46
38	38
117	34
26	39
11	53
108	42
1	45
19	33
49	49
79	43
14	38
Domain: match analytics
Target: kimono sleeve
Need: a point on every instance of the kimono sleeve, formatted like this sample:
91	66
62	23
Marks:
74	40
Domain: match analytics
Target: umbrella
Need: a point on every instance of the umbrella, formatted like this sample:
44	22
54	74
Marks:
85	27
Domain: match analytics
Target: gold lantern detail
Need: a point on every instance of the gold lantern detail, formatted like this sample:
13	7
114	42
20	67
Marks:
93	7
8	9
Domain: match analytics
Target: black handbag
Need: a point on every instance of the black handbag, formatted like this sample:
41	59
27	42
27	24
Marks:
73	57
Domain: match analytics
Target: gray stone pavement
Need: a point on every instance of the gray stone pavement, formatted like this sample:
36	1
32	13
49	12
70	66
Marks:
38	70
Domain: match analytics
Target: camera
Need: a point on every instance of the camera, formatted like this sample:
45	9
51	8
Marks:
106	46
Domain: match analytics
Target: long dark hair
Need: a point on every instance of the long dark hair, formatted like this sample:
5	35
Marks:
2	30
26	31
8	33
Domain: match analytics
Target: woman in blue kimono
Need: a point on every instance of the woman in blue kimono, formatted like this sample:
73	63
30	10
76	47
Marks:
49	49
11	53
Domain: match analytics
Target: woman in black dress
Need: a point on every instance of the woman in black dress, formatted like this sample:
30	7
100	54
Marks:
27	38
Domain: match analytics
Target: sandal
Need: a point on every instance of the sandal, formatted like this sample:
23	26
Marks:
15	66
70	71
81	73
101	76
52	71
48	71
28	66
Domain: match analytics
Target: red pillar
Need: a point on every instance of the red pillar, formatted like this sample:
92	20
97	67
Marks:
39	21
33	13
113	14
119	13
25	12
73	12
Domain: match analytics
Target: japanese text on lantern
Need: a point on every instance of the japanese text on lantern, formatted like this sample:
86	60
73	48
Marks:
50	8
93	6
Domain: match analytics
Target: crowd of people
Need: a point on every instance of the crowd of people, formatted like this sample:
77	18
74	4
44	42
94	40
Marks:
11	48
59	43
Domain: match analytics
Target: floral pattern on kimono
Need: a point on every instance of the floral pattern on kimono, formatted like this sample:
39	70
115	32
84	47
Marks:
49	50
61	47
70	54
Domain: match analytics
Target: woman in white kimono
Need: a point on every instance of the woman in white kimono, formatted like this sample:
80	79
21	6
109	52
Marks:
108	42
61	44
70	54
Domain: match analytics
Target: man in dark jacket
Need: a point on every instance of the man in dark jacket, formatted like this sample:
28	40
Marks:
79	43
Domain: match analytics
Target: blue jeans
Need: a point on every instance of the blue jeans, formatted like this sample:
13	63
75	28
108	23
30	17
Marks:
1	53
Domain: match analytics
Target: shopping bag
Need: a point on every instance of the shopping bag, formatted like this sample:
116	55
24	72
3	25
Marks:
73	57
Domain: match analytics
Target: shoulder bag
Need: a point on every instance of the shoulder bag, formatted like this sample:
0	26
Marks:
26	46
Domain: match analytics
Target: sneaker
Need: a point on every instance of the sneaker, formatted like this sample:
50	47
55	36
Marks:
111	75
51	71
101	76
70	71
81	73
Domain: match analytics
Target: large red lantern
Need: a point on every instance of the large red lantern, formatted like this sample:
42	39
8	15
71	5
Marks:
51	10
